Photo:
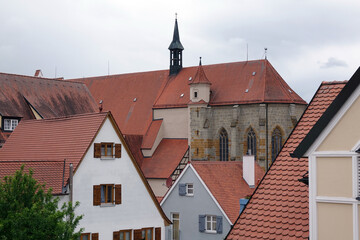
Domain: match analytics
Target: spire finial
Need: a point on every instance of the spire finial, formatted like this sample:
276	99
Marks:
200	62
175	16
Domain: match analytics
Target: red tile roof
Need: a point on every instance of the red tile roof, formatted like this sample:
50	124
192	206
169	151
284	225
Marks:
225	181
151	134
50	98
200	77
232	83
165	159
159	90
279	208
134	143
118	93
53	139
45	172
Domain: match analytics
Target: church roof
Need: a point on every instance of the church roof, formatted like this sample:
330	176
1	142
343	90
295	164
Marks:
279	207
176	44
132	97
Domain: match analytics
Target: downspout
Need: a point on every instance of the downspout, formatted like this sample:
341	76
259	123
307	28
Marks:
71	183
267	141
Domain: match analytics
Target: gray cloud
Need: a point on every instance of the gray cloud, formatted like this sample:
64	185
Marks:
333	62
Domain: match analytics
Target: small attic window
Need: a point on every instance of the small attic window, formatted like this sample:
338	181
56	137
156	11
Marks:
134	99
247	90
289	91
195	94
190	78
253	73
10	124
181	95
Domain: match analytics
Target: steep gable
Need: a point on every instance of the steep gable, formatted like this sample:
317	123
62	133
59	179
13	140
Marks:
279	207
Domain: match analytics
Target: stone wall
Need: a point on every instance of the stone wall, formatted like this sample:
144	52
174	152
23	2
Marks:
206	123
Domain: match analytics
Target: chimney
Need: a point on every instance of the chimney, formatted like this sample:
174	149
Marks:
38	73
249	170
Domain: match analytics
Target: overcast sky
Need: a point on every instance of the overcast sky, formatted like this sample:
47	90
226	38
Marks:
308	41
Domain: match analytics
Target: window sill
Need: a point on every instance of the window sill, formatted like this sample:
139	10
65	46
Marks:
210	231
107	205
189	195
107	158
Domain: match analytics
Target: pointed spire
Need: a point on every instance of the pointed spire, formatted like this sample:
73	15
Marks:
200	76
176	44
176	49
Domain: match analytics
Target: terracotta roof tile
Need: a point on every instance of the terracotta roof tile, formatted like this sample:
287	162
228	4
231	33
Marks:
166	158
48	172
225	181
50	97
52	139
151	134
280	197
157	89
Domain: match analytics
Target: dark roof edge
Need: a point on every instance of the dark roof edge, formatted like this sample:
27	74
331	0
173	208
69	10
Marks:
328	115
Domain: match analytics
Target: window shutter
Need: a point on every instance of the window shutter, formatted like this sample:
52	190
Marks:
202	223
219	224
182	189
97	150
158	233
95	236
118	150
138	234
116	235
96	195
118	194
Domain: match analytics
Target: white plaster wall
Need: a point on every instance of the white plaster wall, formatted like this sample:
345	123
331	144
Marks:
175	122
63	199
203	92
158	186
137	209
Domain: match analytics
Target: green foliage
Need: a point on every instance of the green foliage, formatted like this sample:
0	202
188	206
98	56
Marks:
27	211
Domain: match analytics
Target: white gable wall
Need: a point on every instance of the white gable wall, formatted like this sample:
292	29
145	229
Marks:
137	209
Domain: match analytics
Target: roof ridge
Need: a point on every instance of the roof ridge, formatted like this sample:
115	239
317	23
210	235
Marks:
67	117
39	78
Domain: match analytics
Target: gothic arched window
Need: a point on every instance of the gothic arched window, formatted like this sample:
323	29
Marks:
276	141
224	145
251	142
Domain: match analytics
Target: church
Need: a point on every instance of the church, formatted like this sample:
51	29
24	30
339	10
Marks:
216	112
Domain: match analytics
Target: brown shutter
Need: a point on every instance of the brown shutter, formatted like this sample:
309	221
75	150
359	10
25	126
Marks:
118	150
116	235
97	150
158	233
96	195
118	194
95	236
138	234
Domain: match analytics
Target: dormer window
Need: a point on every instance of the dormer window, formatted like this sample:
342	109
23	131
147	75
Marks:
10	124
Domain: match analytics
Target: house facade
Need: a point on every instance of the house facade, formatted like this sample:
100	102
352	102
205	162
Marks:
115	198
332	147
203	200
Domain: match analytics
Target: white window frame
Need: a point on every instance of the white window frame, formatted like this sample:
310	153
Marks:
188	193
172	227
11	124
212	220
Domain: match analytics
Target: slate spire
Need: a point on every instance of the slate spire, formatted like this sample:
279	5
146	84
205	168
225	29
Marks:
176	49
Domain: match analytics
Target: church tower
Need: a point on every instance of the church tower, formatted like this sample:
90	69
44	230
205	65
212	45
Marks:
176	49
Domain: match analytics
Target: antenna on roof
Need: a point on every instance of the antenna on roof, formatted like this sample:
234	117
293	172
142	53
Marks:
247	52
108	67
55	71
265	53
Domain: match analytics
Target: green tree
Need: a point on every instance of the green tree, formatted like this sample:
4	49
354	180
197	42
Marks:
27	211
